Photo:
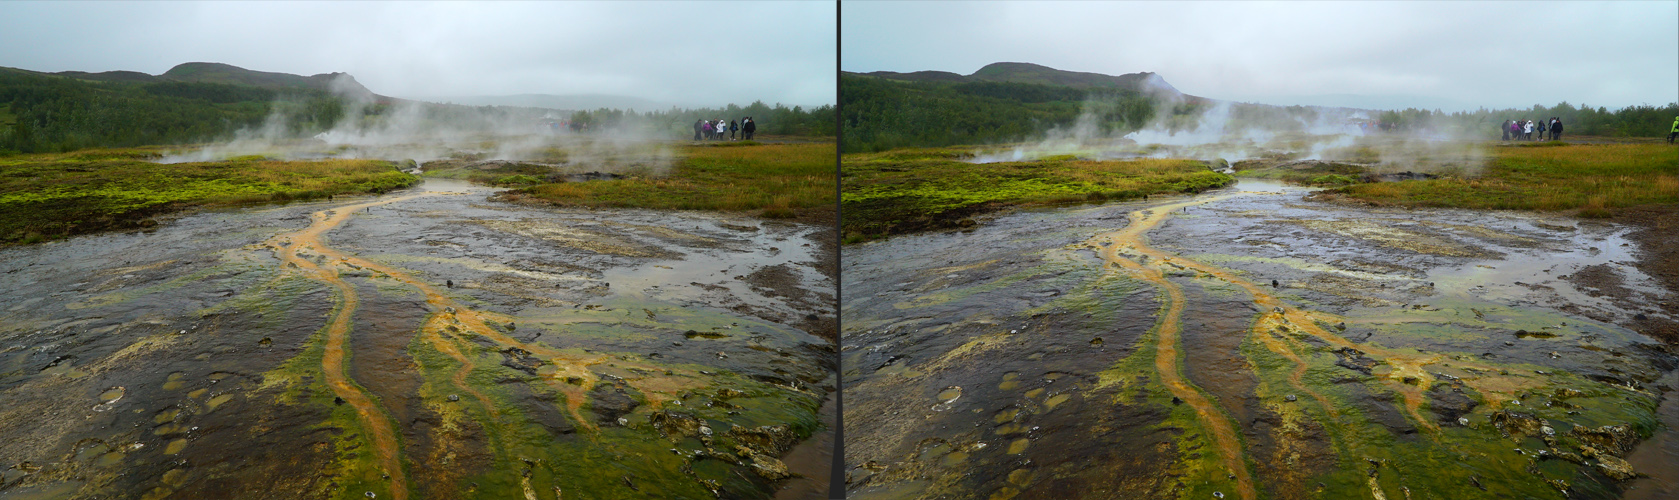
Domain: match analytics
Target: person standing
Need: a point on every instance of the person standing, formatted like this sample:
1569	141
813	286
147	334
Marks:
1527	130
747	127
1556	129
698	129
734	127
1541	128
1504	131
1673	132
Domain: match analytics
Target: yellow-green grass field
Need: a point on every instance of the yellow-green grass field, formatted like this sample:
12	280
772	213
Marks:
904	191
49	196
1594	179
772	180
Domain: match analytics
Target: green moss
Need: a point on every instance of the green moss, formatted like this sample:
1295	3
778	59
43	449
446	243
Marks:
882	195
58	195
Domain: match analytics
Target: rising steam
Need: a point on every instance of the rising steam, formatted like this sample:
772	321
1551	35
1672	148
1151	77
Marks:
1225	132
372	127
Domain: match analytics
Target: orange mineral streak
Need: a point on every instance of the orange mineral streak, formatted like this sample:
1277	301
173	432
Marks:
1166	356
1132	241
572	377
290	247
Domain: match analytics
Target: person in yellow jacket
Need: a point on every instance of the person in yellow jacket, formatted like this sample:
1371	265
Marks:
1674	132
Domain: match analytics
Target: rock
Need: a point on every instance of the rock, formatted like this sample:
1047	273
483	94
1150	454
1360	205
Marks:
769	467
1615	468
1611	439
765	439
454	397
611	402
522	360
675	425
1290	398
1517	424
1274	283
1451	405
1354	359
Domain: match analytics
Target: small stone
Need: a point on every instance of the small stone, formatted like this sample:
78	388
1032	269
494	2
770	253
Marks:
449	283
1463	421
1616	468
370	494
1290	398
454	397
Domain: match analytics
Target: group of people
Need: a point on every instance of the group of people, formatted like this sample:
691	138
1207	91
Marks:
1522	130
717	130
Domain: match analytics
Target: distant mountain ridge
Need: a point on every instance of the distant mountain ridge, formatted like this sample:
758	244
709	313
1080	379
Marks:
203	72
1016	72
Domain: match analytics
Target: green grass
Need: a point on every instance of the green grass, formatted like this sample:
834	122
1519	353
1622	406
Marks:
912	190
774	180
1592	178
48	196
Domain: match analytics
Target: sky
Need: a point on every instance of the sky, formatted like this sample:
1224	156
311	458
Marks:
681	53
1384	54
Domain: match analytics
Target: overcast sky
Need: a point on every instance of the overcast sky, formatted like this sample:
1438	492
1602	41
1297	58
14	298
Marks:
687	53
1434	54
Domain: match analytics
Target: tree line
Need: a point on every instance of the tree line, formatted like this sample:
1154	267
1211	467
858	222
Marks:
679	122
1632	121
50	113
40	113
879	114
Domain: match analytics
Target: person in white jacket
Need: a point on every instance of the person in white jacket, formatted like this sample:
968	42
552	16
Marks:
1527	130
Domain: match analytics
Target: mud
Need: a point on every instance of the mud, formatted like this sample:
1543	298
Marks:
422	344
1248	343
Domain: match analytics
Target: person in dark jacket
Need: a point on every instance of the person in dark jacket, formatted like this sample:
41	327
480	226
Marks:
748	128
699	128
734	128
1504	131
1556	129
1540	127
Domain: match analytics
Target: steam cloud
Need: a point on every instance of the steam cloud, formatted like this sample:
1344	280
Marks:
399	130
1234	132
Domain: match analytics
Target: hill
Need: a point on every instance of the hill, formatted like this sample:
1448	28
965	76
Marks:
1001	102
43	112
1014	72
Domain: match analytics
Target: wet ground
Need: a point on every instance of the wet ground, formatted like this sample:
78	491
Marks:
422	344
1247	343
